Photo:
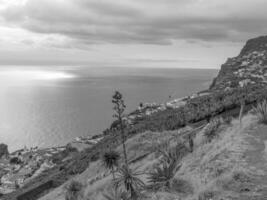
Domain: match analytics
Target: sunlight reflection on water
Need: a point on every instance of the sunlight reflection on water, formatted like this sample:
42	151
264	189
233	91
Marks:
11	75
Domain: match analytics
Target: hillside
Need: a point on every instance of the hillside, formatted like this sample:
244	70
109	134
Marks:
249	67
232	166
221	167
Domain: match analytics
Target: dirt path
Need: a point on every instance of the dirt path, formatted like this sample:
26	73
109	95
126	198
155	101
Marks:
256	163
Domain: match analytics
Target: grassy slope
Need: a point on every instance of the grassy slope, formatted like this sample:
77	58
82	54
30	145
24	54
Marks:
232	166
197	110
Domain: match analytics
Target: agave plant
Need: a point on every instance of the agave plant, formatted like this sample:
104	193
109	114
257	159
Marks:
163	175
128	179
171	154
119	107
261	111
116	195
110	161
74	191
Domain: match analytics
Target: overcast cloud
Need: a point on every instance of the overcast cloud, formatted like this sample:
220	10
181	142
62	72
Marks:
98	26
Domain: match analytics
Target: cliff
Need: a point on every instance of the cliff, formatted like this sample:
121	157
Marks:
248	68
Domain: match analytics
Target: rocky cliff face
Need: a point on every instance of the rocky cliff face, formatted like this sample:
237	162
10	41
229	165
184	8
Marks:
249	67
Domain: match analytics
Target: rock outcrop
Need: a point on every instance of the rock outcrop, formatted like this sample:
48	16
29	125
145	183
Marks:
248	68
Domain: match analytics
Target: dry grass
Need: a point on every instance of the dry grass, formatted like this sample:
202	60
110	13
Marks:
206	170
74	191
211	129
206	195
261	111
212	162
182	186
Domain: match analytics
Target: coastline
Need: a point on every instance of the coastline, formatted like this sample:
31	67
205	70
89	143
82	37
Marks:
71	162
47	158
222	100
23	165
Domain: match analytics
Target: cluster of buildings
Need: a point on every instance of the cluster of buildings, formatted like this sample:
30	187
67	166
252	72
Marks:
18	168
252	68
148	109
81	143
89	140
23	165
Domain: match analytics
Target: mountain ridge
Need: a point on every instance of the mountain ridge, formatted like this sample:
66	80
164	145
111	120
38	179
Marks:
248	68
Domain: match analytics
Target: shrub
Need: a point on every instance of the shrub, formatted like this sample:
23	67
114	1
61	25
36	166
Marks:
261	111
3	150
182	186
210	131
228	120
168	152
74	191
15	160
111	160
207	195
70	148
162	176
201	108
174	154
159	147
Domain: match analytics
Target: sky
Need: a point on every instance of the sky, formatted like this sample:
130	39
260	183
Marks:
127	33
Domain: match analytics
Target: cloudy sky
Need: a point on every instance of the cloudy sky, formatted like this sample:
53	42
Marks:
130	33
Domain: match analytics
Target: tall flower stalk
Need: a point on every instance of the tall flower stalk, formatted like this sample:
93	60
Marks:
119	107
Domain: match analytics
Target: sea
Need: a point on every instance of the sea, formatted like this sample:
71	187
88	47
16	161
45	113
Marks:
50	106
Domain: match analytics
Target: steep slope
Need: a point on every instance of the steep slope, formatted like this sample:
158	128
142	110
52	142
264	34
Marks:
225	167
249	67
231	166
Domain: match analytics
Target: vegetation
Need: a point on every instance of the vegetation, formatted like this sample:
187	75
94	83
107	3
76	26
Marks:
3	150
228	120
242	105
195	110
74	191
129	181
206	195
162	175
15	160
210	131
261	111
119	108
116	195
200	108
191	143
125	178
173	153
181	186
110	160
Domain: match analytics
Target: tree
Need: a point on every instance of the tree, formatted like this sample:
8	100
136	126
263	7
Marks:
110	160
119	107
3	150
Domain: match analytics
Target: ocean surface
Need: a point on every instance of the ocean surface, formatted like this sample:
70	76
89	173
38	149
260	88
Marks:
48	107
